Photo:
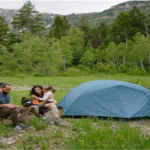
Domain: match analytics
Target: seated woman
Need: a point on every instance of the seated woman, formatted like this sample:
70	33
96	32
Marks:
48	95
37	92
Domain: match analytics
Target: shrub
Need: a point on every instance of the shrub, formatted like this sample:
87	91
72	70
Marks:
7	73
136	71
40	74
71	71
105	68
122	69
21	75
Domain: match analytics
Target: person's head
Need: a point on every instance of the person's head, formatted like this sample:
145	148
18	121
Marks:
37	90
5	87
47	88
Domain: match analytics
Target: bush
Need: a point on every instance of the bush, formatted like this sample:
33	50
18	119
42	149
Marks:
122	69
105	68
21	75
136	71
40	74
71	71
7	73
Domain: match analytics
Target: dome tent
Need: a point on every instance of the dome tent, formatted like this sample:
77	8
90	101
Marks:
107	98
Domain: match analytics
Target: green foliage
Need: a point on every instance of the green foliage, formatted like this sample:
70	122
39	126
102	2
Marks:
59	27
38	123
40	74
7	38
66	51
65	48
88	58
5	130
136	71
105	68
3	30
100	137
28	19
71	72
139	21
83	25
121	28
76	42
123	69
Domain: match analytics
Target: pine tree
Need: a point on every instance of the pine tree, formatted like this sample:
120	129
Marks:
138	20
76	41
83	25
102	30
56	30
7	38
59	27
28	18
66	25
96	41
4	30
121	28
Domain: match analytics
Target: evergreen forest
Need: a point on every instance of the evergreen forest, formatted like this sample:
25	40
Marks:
123	46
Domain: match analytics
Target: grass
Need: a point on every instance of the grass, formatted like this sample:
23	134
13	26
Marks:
38	124
71	82
103	136
84	133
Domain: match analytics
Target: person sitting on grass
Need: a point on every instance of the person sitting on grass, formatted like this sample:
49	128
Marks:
8	109
37	93
48	94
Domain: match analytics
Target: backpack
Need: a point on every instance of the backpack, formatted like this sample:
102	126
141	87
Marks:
26	101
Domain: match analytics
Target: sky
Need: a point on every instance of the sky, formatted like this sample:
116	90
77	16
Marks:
63	7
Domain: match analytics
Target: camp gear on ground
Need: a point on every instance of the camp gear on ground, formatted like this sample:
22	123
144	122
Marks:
25	101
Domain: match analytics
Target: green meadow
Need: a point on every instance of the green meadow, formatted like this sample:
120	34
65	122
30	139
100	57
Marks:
71	82
81	133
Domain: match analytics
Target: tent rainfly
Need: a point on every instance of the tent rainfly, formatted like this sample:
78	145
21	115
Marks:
107	98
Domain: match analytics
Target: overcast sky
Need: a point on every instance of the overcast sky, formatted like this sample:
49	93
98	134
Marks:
63	7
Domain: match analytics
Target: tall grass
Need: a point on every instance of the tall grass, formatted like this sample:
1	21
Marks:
103	136
38	124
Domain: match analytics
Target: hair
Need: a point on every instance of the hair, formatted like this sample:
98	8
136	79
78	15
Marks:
47	87
32	92
3	85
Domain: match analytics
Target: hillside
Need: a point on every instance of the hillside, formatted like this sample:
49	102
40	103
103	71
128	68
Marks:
108	15
95	18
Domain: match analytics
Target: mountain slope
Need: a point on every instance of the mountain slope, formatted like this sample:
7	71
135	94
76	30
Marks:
94	18
108	15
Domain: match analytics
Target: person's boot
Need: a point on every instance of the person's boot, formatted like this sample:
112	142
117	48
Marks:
58	122
45	117
50	119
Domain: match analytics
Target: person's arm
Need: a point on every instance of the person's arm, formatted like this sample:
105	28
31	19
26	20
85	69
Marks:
54	102
40	103
15	106
33	96
10	106
46	96
49	104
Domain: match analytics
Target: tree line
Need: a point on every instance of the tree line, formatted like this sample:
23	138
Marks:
122	46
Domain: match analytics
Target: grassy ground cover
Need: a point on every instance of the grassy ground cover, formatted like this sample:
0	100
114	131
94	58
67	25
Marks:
83	133
70	82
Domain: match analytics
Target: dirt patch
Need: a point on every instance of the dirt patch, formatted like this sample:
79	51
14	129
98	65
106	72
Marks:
143	124
27	88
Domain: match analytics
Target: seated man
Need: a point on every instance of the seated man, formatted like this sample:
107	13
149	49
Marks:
8	109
